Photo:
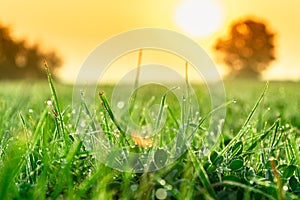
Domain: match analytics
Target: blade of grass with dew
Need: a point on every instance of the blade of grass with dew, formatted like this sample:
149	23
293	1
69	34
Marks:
146	118
261	137
202	173
202	120
161	110
18	158
112	117
101	173
171	113
56	103
11	167
161	107
87	111
106	128
110	113
241	132
65	172
136	82
296	149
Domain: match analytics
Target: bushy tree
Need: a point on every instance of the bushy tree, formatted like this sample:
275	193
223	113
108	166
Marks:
248	49
19	60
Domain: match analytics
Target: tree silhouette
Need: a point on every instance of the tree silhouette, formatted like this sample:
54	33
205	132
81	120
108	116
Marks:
248	49
18	60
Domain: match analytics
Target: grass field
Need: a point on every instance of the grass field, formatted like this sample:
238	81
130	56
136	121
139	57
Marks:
42	155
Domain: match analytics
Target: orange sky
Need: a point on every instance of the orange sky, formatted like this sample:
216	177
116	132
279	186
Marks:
75	28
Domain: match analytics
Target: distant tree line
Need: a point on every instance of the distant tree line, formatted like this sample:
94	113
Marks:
18	60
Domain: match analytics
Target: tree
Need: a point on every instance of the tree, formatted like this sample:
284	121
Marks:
19	60
248	49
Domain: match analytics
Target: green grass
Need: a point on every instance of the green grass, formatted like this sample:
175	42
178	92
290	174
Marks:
42	155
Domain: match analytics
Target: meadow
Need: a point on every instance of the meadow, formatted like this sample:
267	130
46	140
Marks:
43	157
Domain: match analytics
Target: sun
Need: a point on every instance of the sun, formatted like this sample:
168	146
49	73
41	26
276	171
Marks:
199	17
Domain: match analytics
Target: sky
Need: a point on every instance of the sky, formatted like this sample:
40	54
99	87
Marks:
74	28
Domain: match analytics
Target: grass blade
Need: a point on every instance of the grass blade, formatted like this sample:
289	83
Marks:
60	124
136	82
202	174
241	132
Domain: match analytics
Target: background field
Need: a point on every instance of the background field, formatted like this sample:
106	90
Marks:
39	160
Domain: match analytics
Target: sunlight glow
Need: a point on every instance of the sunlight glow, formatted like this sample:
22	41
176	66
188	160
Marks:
199	17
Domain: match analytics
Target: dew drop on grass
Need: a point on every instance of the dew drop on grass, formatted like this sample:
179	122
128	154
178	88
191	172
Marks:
120	104
162	182
123	154
49	102
82	124
161	193
234	101
169	187
30	110
285	188
134	187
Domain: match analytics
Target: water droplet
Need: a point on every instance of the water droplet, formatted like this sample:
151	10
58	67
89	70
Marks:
88	141
269	108
30	110
123	154
82	124
285	188
169	187
120	104
49	103
161	193
162	182
134	187
234	101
